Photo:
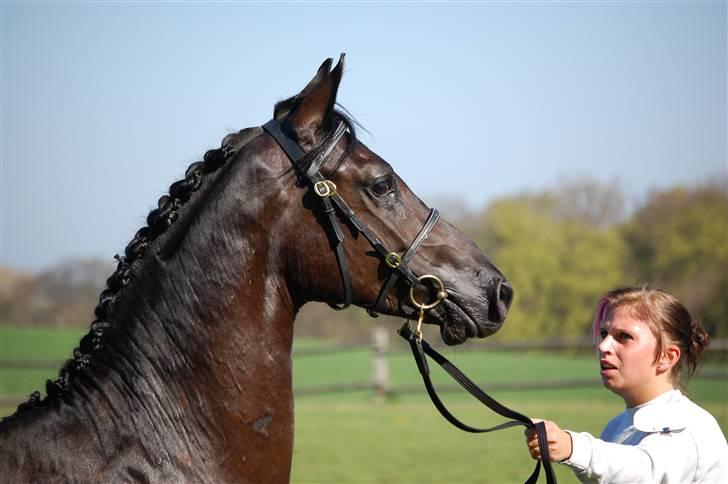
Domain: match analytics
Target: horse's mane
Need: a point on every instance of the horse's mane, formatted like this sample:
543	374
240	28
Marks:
158	221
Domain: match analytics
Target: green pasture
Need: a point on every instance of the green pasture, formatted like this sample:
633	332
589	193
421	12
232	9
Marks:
349	436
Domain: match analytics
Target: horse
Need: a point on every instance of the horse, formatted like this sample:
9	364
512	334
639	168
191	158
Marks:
185	373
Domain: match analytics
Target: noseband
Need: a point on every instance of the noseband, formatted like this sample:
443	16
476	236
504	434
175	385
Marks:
331	200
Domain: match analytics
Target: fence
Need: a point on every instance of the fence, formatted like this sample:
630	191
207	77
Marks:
381	352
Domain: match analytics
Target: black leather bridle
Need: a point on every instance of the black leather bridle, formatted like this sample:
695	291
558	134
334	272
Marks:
310	172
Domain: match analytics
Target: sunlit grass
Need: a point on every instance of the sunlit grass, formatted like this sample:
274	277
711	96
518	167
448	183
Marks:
350	438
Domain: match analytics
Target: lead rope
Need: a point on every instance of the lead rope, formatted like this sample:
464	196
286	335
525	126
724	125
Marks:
420	348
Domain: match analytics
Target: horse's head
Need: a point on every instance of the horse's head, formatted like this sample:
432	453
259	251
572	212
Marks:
478	293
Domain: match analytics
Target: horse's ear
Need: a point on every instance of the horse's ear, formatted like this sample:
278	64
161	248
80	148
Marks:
283	108
322	72
312	115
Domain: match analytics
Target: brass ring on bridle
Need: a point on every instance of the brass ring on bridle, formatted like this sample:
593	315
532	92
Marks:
441	293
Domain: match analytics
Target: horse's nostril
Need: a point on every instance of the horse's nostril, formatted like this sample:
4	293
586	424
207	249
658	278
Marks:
505	294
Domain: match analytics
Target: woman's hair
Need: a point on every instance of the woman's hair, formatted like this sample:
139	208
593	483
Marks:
666	317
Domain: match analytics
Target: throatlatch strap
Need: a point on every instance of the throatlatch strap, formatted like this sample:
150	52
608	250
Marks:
338	244
420	348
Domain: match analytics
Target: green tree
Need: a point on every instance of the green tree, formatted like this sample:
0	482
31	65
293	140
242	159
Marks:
558	252
678	240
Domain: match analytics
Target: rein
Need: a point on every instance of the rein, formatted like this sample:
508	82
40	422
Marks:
331	200
420	348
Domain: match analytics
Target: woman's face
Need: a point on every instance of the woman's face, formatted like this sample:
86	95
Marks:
627	357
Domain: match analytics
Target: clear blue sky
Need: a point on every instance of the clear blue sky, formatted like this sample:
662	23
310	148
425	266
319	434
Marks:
105	104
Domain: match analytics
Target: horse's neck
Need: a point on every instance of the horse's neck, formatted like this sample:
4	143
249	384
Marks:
201	367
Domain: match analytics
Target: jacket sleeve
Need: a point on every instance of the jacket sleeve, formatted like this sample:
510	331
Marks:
658	457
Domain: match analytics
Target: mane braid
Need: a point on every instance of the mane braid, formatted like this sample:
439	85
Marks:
158	221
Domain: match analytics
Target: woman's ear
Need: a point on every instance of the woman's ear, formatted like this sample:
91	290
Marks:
669	358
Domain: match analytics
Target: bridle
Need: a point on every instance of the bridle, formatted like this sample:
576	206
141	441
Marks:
331	200
310	172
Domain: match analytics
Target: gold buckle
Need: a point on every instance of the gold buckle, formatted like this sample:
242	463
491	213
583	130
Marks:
393	260
325	188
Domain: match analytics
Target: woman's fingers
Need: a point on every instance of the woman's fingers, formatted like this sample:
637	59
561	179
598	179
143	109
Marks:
535	452
532	442
559	442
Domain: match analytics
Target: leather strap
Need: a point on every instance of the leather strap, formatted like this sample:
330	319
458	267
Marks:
325	150
294	152
338	244
420	348
312	175
406	258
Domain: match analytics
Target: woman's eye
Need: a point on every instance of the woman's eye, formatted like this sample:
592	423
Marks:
624	336
603	334
382	186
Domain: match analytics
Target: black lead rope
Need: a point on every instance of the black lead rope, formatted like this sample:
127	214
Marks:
420	348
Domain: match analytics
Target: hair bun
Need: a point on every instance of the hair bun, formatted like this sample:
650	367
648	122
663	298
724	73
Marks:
698	340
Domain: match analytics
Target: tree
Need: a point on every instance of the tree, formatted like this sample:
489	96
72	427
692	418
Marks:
559	255
678	240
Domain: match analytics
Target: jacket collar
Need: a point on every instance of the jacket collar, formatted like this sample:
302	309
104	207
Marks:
665	414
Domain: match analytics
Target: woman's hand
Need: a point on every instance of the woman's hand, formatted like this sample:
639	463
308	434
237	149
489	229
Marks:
559	441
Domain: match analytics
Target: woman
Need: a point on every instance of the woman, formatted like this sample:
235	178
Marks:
646	341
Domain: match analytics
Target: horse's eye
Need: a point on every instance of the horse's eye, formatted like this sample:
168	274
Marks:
383	186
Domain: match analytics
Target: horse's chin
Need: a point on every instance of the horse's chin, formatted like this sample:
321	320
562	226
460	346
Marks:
457	325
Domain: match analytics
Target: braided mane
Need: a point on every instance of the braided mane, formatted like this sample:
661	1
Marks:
158	221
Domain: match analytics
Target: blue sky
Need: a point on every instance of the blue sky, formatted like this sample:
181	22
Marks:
105	104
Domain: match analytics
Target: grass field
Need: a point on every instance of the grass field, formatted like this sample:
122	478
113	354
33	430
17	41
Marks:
349	437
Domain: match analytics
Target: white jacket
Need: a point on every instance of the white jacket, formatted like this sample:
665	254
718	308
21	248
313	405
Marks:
666	440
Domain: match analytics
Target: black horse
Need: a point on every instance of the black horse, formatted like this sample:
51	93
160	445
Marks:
185	375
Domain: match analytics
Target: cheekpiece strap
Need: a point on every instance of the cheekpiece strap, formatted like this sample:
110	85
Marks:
402	266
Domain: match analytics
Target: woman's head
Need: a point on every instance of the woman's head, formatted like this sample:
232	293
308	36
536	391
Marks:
643	329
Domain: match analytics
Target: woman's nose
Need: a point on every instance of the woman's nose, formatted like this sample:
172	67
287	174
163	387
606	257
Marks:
605	345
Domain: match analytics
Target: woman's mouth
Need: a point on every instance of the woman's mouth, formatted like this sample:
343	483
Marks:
606	368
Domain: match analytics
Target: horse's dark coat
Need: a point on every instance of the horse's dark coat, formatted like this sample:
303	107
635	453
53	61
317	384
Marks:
188	376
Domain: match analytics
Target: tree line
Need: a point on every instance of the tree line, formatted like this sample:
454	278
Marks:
564	247
561	248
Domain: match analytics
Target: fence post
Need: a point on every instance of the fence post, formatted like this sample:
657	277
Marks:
380	374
